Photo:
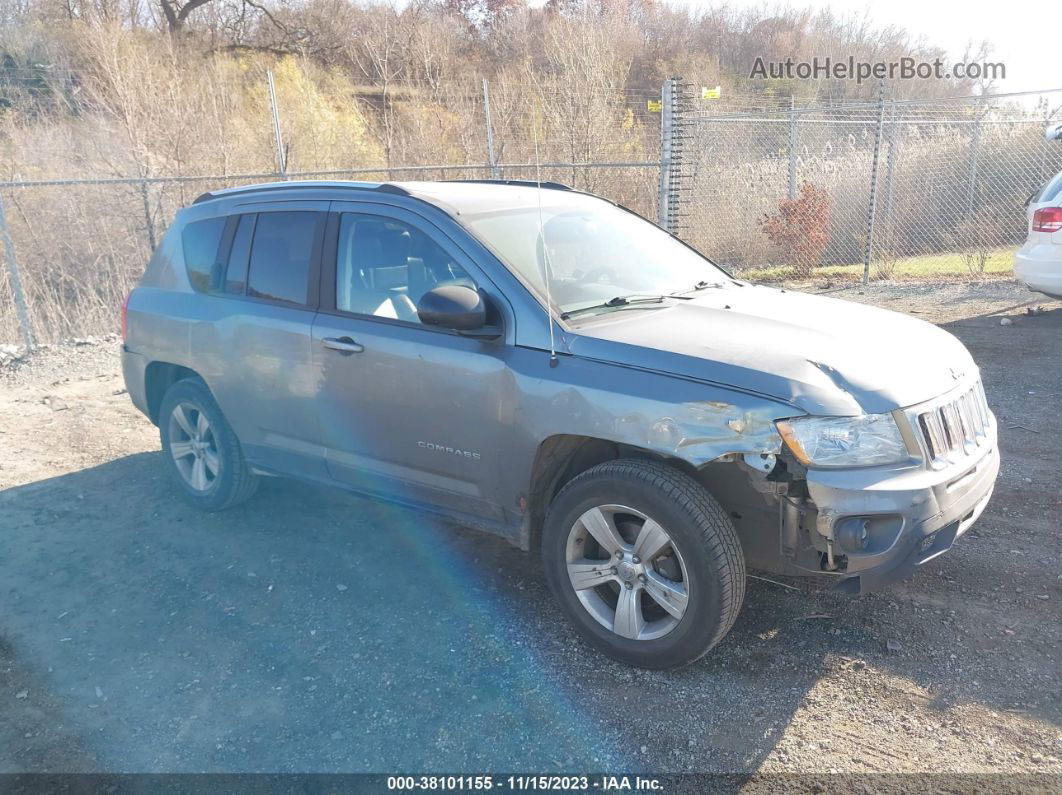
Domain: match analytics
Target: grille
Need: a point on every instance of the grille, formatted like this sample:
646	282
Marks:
958	427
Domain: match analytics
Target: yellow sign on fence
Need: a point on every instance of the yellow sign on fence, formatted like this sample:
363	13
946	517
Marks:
711	93
654	105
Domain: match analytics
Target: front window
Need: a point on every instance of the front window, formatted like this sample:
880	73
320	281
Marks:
593	251
385	266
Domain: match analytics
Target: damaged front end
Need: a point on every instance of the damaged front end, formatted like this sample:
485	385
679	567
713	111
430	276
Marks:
868	525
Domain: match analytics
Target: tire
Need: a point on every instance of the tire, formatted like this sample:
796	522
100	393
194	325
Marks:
699	573
212	475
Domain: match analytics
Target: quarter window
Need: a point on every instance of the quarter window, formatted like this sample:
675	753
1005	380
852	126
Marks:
1052	191
384	266
281	251
200	241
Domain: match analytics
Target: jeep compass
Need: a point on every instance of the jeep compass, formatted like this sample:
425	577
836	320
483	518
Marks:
545	365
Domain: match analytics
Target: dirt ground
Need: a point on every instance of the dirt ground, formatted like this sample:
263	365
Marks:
311	630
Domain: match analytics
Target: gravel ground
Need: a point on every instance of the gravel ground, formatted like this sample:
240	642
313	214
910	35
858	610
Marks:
310	630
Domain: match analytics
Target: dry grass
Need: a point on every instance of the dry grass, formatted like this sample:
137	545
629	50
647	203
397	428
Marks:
949	265
378	86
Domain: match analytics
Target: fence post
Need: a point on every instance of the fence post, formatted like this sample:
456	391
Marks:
868	249
975	152
16	282
490	132
792	147
278	138
1042	169
890	167
666	141
148	220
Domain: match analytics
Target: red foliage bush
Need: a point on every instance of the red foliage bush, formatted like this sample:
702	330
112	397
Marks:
801	229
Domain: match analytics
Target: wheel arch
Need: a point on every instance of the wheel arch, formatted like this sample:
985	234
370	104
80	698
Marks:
562	457
159	377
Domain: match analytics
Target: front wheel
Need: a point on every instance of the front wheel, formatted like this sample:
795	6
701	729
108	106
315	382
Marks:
645	563
202	452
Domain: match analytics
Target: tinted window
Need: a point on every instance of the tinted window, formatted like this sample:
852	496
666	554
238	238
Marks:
236	273
200	240
280	256
1053	190
383	267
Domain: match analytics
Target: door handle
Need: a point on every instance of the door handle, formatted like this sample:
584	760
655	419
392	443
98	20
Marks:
342	344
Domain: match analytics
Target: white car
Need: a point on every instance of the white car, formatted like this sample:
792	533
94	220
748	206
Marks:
1038	264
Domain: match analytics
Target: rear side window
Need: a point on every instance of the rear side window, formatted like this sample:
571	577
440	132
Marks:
200	240
280	256
236	274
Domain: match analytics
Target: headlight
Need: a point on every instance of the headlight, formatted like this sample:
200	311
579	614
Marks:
844	441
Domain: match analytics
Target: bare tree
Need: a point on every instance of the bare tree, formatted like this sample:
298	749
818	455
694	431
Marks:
176	13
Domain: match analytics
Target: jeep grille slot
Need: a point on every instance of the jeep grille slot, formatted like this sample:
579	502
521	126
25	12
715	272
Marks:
957	427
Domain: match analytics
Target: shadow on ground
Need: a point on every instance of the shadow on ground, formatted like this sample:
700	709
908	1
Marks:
310	630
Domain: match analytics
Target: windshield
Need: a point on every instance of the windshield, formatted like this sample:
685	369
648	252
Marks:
594	251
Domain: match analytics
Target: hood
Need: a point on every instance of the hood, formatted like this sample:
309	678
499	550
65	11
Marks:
823	355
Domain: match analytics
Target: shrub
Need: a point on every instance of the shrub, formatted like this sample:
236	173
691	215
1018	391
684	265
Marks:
801	229
977	240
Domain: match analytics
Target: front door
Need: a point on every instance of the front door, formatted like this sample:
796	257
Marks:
417	413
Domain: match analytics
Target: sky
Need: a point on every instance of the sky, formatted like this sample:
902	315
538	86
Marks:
1026	34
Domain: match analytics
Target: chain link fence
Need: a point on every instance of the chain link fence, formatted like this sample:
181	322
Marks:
75	247
894	190
876	190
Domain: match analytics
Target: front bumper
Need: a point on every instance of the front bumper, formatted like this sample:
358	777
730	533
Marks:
924	518
910	515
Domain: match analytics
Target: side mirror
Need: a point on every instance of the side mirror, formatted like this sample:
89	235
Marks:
1053	133
453	306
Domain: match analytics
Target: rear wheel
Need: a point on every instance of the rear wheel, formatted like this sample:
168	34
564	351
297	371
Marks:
645	563
202	452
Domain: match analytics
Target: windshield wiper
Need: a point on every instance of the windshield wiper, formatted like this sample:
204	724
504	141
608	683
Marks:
698	286
613	303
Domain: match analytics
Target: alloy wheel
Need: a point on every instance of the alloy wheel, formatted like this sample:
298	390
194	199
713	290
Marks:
627	572
193	446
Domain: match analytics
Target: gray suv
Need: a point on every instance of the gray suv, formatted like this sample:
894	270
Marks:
545	365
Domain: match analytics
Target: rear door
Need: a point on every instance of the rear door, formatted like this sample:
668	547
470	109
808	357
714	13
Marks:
419	414
255	341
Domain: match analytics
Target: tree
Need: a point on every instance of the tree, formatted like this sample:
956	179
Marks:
177	14
483	15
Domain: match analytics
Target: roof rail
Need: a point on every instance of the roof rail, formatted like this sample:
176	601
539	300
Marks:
523	183
270	187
